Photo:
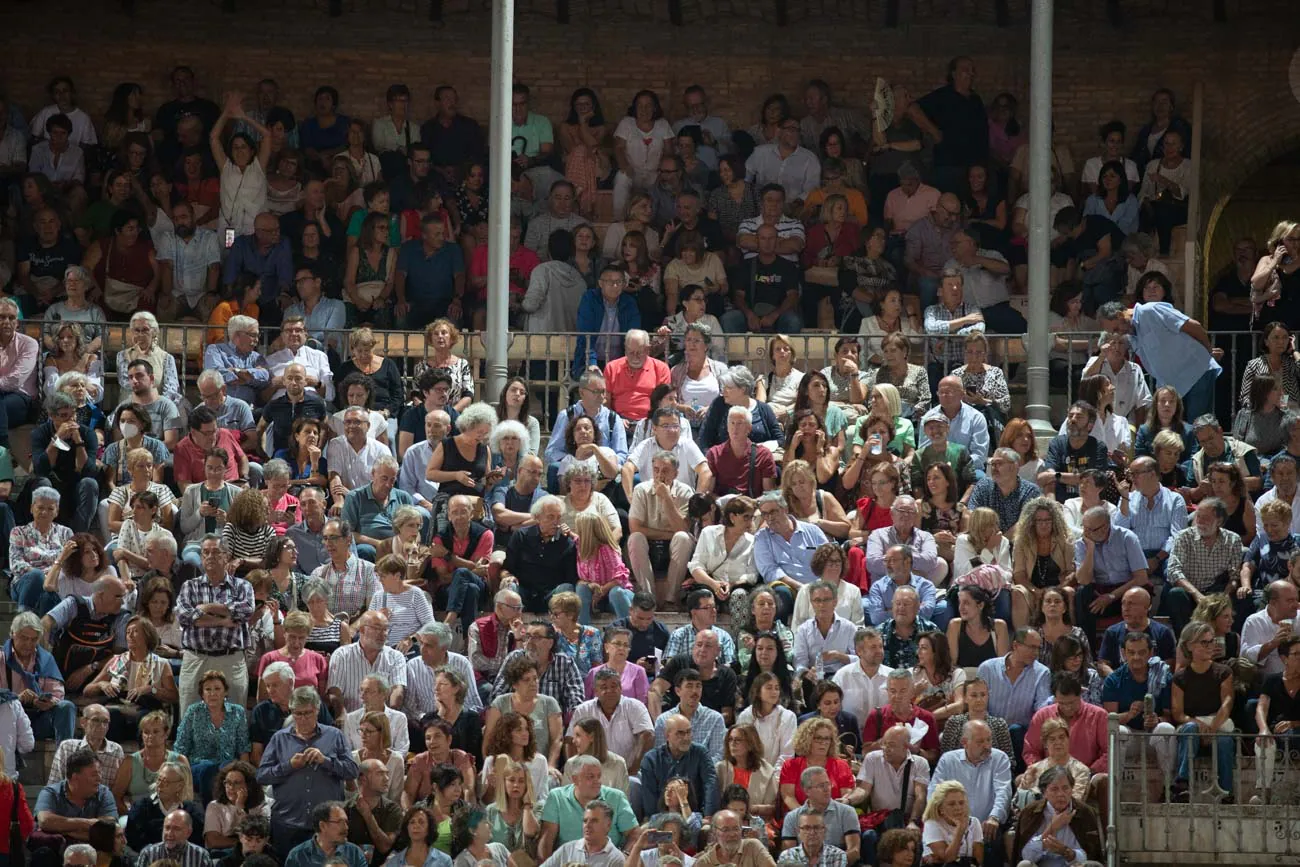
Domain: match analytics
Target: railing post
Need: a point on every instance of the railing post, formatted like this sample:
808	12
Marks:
1114	768
1038	407
1194	201
498	277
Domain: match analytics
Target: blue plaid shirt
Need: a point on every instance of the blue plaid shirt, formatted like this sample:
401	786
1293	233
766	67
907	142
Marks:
949	353
236	594
1155	527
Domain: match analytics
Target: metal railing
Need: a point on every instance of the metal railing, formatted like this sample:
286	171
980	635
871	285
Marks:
546	359
1150	823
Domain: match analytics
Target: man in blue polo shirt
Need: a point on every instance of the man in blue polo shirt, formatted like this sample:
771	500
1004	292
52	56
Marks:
1108	562
430	277
370	509
1124	692
1174	348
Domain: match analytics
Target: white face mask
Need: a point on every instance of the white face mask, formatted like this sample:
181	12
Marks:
129	430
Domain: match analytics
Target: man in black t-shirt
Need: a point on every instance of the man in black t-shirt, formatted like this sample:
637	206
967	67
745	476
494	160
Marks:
768	300
43	258
1071	453
434	383
1091	245
186	104
719	680
648	633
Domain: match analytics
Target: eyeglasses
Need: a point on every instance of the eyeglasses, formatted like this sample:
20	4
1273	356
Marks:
331	537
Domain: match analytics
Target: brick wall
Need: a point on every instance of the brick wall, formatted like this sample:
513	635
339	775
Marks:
731	46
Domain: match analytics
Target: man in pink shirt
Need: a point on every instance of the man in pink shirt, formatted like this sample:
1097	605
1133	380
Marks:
1087	724
19	356
630	379
204	435
910	201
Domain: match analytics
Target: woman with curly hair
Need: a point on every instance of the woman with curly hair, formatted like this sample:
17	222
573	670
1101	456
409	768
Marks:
521	677
816	745
1043	556
247	531
235	795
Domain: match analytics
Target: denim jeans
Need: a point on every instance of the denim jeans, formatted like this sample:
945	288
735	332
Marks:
537	601
28	592
733	322
618	600
465	595
59	722
1189	742
1200	397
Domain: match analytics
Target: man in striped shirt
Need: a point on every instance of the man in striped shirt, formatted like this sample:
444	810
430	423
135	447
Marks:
369	654
213	611
351	580
176	845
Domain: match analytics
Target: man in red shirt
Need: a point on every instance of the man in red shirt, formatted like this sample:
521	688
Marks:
1087	723
738	465
630	379
204	434
900	710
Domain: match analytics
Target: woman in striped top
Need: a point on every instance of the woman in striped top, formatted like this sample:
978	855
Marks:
247	531
328	633
407	608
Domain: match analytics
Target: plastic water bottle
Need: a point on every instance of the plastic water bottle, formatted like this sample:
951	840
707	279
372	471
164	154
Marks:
821	667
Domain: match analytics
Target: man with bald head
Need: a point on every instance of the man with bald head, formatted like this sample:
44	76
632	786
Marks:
1152	511
83	632
296	402
678	756
929	246
630	379
266	255
374	817
891	778
768	298
966	425
175	845
731	847
1135	608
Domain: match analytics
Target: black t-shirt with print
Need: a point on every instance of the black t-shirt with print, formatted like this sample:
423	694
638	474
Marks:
769	283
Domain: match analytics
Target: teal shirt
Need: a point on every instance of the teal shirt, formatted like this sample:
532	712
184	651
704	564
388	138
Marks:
536	131
394	227
368	518
563	809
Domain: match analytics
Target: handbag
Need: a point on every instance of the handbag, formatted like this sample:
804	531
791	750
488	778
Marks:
369	290
119	295
889	820
17	845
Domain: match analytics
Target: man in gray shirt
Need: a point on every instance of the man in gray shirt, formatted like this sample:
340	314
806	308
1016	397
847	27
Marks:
559	215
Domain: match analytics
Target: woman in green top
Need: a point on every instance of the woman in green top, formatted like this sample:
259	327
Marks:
138	773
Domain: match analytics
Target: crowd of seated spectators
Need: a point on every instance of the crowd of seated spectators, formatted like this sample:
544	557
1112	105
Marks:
902	625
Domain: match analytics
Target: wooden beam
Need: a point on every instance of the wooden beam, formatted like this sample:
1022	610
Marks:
891	13
1220	11
562	11
336	8
1002	13
435	11
675	12
1113	13
782	13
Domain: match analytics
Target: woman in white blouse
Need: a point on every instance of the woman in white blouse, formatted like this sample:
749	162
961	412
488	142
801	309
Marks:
983	544
889	317
775	724
588	739
640	139
1091	483
724	556
1164	190
829	564
780	387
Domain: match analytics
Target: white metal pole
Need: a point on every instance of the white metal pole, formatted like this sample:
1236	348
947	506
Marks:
497	336
1038	408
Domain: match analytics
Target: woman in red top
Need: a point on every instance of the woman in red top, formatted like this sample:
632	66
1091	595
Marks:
200	190
872	514
127	258
816	745
9	788
835	237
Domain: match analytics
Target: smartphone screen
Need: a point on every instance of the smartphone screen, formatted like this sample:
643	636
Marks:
230	238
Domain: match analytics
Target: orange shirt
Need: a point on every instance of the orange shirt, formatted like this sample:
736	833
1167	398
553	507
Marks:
221	314
629	389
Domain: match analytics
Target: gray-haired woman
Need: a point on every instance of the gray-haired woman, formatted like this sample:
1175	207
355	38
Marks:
738	390
33	549
328	633
76	308
143	344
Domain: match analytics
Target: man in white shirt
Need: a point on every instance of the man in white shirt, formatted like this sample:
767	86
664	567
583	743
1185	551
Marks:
880	783
628	729
352	456
863	682
666	435
189	260
716	133
320	379
784	162
657	519
825	642
1265	630
1282	472
1132	393
64	95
